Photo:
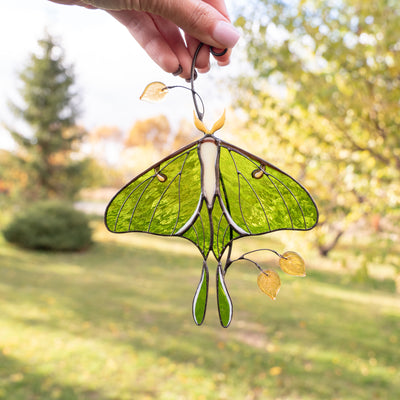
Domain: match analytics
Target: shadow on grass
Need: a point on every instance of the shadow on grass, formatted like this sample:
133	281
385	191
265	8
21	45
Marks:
20	382
312	342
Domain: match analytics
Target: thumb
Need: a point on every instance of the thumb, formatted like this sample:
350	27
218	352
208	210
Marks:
198	19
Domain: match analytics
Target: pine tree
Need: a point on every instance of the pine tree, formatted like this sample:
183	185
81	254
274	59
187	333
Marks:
50	109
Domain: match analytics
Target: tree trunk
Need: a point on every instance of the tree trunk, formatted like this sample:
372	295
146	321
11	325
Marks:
324	249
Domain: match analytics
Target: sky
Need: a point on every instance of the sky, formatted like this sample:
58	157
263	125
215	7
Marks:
111	69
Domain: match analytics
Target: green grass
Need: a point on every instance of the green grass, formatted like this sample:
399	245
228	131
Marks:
115	322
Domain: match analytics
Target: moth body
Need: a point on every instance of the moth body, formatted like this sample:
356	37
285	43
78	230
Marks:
208	153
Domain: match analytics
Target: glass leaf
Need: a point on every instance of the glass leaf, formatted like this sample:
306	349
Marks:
154	92
292	264
269	282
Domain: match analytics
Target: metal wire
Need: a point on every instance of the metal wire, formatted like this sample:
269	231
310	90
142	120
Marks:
193	74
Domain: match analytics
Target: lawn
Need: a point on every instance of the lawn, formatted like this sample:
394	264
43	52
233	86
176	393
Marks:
114	322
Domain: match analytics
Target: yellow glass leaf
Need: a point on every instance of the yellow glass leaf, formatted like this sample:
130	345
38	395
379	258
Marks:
292	264
270	283
154	92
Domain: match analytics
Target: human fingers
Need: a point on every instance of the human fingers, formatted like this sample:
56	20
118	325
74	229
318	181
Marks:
173	37
153	32
203	60
72	3
203	57
198	19
222	56
221	7
144	30
205	20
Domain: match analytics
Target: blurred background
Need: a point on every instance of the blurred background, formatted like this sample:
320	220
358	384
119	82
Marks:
314	88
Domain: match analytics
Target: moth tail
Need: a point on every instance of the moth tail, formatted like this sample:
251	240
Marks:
225	306
199	305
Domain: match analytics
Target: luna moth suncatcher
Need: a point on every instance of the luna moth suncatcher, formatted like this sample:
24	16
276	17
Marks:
211	193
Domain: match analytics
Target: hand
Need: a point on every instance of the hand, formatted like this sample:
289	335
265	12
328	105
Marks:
155	25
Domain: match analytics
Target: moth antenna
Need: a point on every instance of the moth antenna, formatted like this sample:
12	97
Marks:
219	124
200	125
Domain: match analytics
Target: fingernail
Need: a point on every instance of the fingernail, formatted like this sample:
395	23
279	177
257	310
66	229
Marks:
178	71
226	34
223	63
204	70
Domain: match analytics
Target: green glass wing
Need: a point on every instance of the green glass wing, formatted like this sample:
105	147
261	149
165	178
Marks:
200	230
259	198
163	200
223	233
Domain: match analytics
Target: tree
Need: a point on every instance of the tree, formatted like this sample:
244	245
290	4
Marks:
326	77
153	132
157	133
49	107
105	144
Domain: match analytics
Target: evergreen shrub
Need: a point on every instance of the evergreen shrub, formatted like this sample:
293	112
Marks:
50	225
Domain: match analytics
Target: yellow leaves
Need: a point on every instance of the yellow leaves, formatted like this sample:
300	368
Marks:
240	22
17	377
291	263
275	371
269	282
154	92
154	131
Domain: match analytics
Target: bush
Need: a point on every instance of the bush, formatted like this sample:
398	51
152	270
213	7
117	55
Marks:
50	225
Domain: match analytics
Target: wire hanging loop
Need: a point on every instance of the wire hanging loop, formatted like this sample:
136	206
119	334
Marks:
200	114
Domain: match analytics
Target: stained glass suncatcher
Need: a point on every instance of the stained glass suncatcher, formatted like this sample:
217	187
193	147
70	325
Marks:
212	193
